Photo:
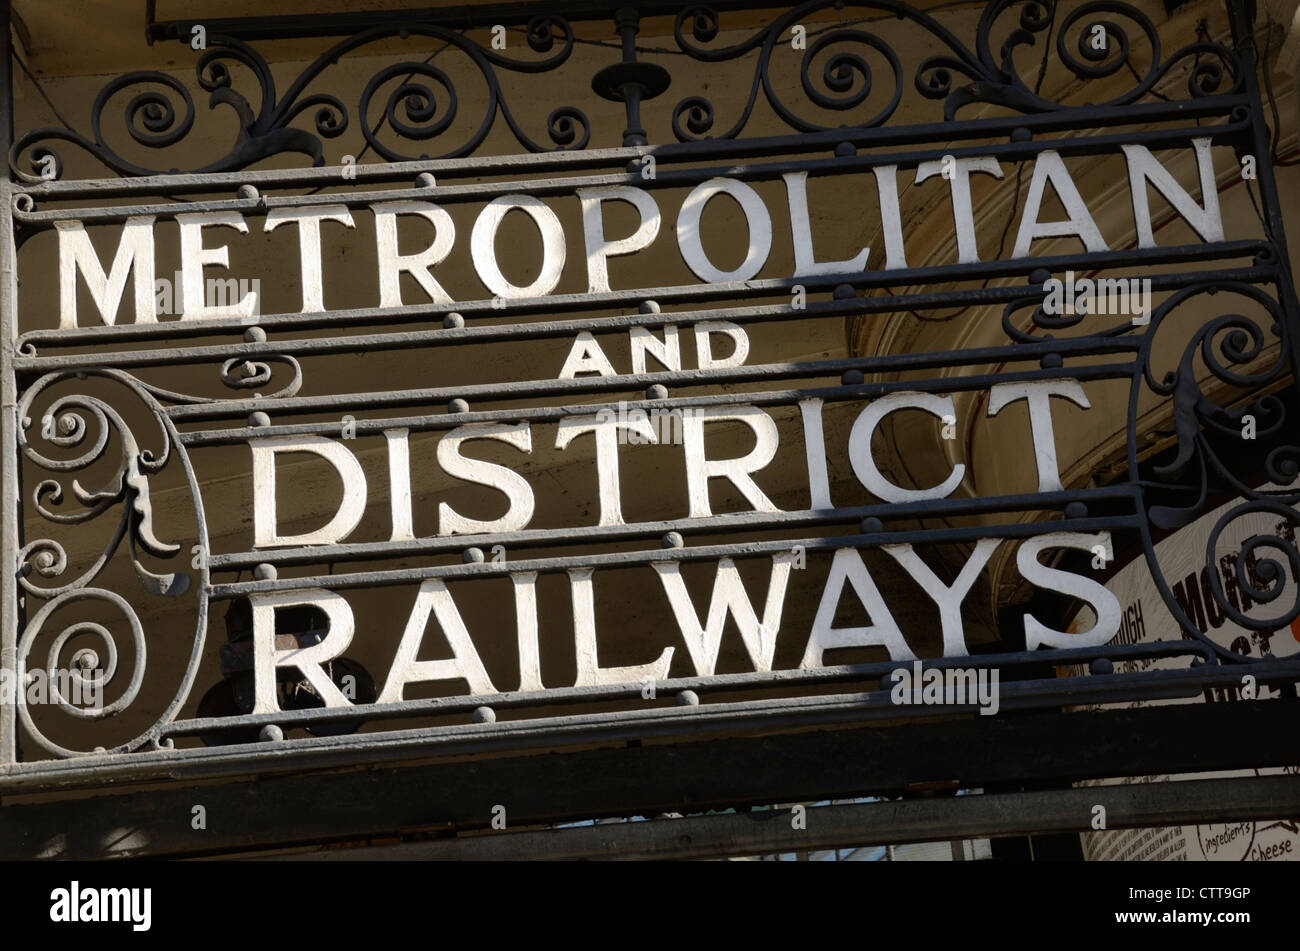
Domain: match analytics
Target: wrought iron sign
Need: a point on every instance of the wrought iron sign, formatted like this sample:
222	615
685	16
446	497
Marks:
225	628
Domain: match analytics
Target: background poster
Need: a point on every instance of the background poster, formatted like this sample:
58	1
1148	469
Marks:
1146	619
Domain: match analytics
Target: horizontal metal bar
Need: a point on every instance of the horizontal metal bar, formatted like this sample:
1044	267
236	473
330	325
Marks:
1064	120
867	706
983	815
748	373
946	535
539	330
449	420
458	17
681	722
664	178
731	522
712	689
686	293
426	784
271	27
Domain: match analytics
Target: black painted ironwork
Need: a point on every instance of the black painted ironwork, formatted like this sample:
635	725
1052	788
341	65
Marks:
423	105
68	421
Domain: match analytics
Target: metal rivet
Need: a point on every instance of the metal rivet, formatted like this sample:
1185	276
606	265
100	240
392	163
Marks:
265	572
425	180
688	698
1021	135
1040	275
271	733
1051	361
844	292
672	540
1076	510
259	419
846	150
851	377
255	335
458	406
872	525
1101	666
634	166
248	191
657	392
453	321
648	307
484	715
472	556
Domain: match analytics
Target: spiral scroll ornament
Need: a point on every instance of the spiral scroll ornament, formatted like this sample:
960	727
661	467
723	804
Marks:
63	433
1224	384
421	105
1093	41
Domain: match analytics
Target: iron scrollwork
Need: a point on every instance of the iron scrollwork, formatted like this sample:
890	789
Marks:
1222	384
1233	347
414	109
993	78
84	424
424	104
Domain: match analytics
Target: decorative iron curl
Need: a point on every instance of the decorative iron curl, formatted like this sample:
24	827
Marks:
159	118
1227	346
1092	62
1261	568
76	420
1261	579
990	75
79	421
153	110
1225	343
1078	54
413	109
417	100
1234	348
698	114
841	72
240	373
846	74
82	660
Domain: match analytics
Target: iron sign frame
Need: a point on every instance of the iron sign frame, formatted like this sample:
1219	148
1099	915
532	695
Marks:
32	360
